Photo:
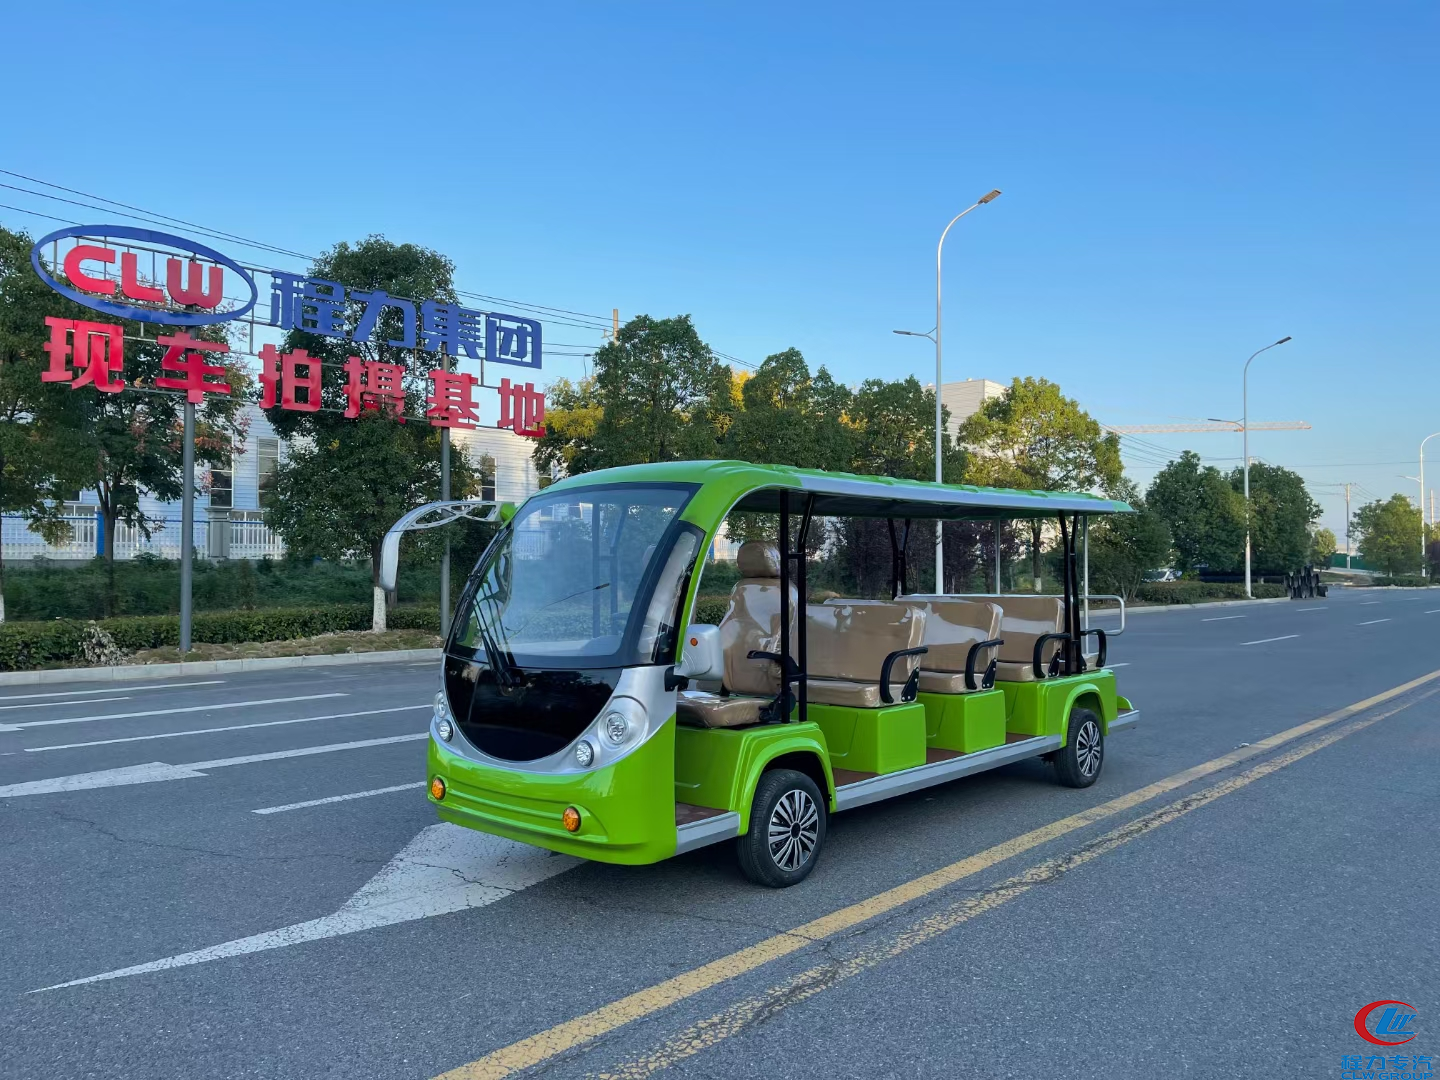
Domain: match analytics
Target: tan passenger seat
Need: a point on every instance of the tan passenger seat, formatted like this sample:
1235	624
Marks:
847	642
751	623
1024	620
952	628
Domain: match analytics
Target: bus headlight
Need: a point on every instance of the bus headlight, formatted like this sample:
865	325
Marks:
584	754
615	728
445	730
443	725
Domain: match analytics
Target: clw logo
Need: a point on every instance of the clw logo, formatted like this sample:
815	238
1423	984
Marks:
1393	1027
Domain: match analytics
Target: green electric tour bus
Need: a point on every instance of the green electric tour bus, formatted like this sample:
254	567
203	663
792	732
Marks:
586	708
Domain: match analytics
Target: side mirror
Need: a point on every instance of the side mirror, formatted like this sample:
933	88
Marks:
700	654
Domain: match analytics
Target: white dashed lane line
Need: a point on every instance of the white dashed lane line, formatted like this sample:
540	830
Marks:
1372	622
169	712
62	704
113	690
215	730
1265	640
338	798
1223	618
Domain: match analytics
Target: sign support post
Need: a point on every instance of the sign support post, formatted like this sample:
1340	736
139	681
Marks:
187	525
445	497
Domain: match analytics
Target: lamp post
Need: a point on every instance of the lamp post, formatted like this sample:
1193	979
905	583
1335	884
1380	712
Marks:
1423	566
1245	406
990	196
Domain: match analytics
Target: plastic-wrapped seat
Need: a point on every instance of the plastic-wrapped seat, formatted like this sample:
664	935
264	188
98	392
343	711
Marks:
751	624
954	629
862	652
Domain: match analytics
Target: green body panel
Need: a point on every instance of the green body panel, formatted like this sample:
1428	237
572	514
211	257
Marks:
964	722
720	767
627	810
873	740
1043	707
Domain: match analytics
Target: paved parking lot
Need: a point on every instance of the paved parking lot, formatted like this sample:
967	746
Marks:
239	875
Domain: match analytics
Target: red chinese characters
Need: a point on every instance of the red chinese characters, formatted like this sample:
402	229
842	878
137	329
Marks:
96	352
452	404
282	371
371	385
522	409
186	356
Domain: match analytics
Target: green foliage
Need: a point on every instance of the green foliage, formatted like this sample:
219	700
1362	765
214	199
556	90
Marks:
710	609
1123	547
1390	535
1206	516
26	645
1322	547
1198	592
894	432
341	489
662	394
789	417
149	585
572	416
1281	512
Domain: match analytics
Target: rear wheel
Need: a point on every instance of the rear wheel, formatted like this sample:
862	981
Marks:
1078	762
787	830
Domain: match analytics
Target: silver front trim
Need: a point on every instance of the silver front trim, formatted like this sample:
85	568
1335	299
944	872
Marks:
698	834
922	776
1124	720
639	695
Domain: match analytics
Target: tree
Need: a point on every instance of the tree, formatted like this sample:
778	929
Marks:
1322	547
1032	436
894	425
663	396
1390	535
1123	547
572	416
788	417
1281	512
40	423
1206	516
122	444
347	481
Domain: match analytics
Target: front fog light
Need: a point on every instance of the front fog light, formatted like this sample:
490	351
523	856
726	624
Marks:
584	754
437	788
445	730
615	728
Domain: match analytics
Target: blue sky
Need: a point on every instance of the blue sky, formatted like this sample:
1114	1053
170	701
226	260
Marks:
1182	183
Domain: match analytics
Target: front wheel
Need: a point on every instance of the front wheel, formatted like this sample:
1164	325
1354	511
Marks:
1078	762
787	830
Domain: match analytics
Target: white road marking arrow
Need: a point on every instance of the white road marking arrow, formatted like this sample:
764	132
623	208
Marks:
445	869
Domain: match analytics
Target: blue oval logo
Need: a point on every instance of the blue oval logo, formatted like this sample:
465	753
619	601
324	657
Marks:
195	291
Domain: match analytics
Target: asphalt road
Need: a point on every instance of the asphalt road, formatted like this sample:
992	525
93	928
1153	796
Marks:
1226	922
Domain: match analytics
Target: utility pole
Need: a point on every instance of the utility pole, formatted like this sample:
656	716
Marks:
615	324
1347	526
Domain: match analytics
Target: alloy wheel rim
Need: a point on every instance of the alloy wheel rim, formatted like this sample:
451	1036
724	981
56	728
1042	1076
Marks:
794	830
1087	748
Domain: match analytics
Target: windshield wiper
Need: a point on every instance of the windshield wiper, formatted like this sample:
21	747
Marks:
506	673
561	600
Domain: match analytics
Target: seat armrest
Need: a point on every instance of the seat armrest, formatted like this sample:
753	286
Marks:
1099	660
1040	643
970	664
919	650
787	663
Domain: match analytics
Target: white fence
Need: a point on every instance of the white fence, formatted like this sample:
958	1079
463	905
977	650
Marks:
243	535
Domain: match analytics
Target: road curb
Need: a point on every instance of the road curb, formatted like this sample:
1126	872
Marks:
1188	607
209	667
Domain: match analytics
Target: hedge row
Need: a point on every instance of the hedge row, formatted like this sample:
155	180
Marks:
1197	592
27	645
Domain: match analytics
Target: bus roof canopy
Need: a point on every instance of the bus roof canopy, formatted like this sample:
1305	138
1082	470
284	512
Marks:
758	487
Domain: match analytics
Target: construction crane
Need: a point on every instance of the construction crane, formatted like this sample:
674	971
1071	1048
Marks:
1215	425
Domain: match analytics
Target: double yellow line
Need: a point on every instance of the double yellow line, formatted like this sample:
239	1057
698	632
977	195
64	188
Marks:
567	1036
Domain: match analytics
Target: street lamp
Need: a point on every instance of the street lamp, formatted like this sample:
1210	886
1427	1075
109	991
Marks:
1423	566
990	196
1245	406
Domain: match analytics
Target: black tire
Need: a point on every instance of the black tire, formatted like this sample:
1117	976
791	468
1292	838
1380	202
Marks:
791	804
1079	761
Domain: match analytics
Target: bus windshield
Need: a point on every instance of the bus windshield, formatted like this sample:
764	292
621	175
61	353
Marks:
586	578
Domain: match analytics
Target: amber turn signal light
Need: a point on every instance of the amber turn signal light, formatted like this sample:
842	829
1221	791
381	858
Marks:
437	789
571	819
